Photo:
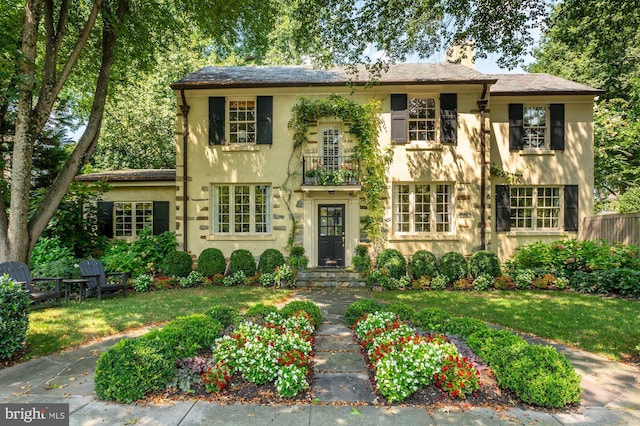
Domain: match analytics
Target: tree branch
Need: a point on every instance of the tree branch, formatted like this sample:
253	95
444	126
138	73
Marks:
89	139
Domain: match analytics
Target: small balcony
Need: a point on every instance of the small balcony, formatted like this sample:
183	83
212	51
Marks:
330	171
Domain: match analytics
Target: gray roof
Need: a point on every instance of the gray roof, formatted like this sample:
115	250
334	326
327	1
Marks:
403	73
131	175
538	84
301	75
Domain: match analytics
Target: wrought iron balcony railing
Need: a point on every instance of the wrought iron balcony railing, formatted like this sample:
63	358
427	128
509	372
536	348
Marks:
330	171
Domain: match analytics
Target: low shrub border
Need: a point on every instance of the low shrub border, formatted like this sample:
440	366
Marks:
279	349
537	374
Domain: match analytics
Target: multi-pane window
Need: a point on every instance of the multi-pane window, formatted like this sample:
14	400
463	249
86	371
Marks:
535	207
242	121
241	209
132	217
331	148
422	119
535	126
422	208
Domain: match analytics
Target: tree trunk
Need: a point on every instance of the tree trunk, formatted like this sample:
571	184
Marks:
18	233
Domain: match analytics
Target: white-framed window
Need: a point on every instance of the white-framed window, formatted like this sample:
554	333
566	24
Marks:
241	209
535	125
241	117
129	218
423	208
330	146
422	119
535	207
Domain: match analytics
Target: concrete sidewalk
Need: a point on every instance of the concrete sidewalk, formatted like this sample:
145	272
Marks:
611	393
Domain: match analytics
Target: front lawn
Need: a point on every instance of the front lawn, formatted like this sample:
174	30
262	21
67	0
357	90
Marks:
55	329
607	326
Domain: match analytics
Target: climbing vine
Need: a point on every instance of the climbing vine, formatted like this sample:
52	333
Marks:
363	123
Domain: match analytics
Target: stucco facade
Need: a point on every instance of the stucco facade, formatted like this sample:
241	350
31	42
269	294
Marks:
242	188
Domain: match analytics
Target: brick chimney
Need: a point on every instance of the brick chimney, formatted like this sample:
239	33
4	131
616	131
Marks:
462	52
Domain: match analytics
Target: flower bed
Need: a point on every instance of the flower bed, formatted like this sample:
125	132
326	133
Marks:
403	361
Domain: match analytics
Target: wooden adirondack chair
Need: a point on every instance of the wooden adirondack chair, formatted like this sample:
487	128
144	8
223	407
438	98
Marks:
99	280
19	272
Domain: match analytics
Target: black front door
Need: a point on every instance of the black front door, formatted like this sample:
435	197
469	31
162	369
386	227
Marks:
331	235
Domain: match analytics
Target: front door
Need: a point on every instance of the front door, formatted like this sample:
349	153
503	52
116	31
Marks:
331	235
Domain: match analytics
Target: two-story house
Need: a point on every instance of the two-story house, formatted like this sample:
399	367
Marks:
477	161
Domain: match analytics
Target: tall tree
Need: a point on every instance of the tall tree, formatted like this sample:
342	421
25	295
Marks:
597	42
72	49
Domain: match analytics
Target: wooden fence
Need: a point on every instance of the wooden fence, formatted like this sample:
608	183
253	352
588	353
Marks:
613	228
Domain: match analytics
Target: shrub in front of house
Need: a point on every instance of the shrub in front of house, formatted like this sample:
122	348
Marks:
177	264
402	310
143	282
14	317
142	255
423	264
242	260
358	309
484	262
225	315
270	259
361	260
133	368
297	259
453	266
488	342
523	278
538	375
483	282
303	305
393	261
431	319
259	311
212	262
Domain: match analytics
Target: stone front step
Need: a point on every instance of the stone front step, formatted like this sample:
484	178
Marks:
339	278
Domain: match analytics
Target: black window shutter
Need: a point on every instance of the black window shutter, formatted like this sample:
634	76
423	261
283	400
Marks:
557	126
516	127
265	120
571	208
399	118
160	217
448	117
216	120
503	208
105	218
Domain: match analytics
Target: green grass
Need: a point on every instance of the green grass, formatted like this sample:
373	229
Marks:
54	329
607	326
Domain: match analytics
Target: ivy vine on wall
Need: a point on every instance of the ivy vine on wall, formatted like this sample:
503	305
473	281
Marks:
363	124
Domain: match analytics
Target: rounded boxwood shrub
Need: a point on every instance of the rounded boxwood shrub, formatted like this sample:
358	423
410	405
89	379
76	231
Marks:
211	262
242	260
131	369
453	266
393	261
488	342
359	308
270	259
187	335
303	305
177	264
484	262
538	374
462	327
226	315
402	310
431	319
424	264
14	316
259	311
